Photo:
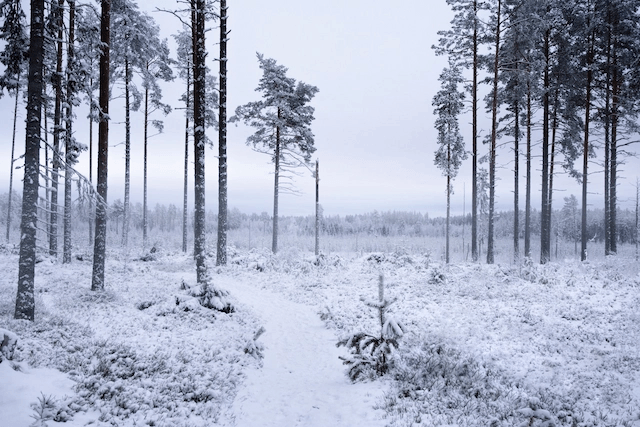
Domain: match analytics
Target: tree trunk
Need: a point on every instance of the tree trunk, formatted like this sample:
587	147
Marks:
145	224
585	149
317	246
494	128
545	244
97	279
552	160
57	129
13	148
221	253
70	150
516	183
91	169
185	212
274	242
607	143
25	299
613	200
527	208
127	153
199	54
474	126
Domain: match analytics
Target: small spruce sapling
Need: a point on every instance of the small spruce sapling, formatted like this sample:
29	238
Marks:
371	353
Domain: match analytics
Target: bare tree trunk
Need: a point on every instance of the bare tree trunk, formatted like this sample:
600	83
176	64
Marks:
613	195
199	54
13	148
474	154
185	212
145	224
25	299
545	248
494	128
97	279
57	129
552	161
585	149
607	144
527	209
221	253
91	171
317	246
127	154
516	183
70	150
274	242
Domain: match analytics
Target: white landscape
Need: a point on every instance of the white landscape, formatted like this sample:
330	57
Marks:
499	345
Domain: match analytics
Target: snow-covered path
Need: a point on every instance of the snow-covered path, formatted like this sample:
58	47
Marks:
302	381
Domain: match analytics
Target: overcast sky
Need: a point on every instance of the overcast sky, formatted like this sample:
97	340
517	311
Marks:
377	74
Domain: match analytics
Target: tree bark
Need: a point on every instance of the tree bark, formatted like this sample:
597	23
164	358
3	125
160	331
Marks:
317	246
145	224
185	212
474	126
494	128
585	148
199	54
25	299
13	147
97	280
127	153
527	208
276	184
70	150
57	130
221	252
545	248
613	195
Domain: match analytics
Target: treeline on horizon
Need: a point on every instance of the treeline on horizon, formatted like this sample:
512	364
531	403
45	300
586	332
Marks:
168	219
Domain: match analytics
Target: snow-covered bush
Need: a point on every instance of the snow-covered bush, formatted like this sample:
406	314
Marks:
8	343
253	347
437	275
371	354
535	415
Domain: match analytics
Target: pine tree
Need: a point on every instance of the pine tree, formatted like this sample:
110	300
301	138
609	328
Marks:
221	252
448	103
283	122
156	67
14	58
25	298
462	42
494	131
97	278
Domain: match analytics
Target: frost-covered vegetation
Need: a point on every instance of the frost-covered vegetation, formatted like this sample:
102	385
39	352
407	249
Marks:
497	345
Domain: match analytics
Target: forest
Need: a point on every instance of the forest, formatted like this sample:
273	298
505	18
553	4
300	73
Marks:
181	315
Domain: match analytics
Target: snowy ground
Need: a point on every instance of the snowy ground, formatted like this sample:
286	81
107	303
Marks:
498	345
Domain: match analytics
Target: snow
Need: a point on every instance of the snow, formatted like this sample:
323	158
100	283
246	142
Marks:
483	345
301	382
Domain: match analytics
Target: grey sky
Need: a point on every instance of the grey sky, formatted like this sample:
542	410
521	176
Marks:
377	74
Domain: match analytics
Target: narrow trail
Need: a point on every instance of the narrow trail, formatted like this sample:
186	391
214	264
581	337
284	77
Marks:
302	381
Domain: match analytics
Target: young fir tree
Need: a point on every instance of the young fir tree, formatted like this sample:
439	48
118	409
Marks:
283	122
25	298
14	58
448	103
